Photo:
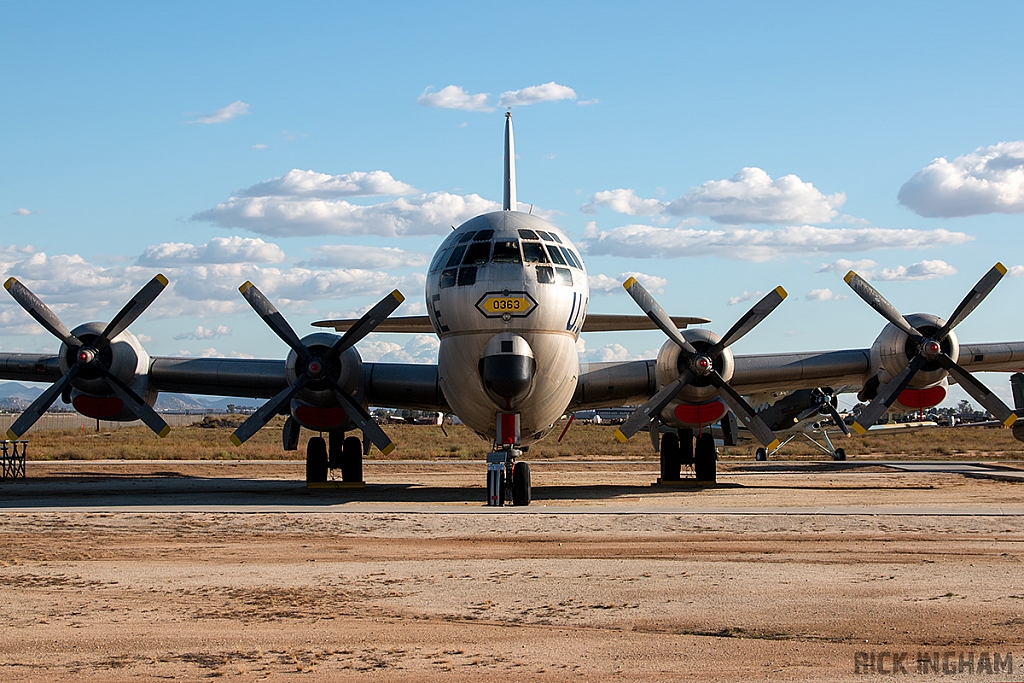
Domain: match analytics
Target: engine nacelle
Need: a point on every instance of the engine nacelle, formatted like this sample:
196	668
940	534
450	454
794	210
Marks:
315	406
125	358
892	351
697	403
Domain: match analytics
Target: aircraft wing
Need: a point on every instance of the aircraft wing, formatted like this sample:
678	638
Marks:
618	383
595	322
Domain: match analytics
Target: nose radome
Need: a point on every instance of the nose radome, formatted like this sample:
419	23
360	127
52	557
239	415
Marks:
507	367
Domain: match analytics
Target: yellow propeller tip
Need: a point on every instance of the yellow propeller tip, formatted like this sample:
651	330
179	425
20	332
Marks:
235	440
1010	420
1001	268
164	432
857	428
629	283
161	279
10	283
245	287
619	435
398	296
387	449
849	276
781	292
11	435
773	445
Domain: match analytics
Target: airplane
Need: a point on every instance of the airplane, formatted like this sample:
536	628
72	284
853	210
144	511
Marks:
507	294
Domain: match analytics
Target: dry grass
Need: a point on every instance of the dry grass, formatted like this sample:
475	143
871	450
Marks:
590	442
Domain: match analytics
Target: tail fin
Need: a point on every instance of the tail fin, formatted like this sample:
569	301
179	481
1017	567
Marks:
509	203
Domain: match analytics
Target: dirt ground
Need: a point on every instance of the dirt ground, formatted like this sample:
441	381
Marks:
811	571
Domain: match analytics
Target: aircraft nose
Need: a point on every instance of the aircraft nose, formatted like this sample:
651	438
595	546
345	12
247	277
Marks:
507	368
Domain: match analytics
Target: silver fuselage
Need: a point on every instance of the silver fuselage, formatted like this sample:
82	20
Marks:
503	281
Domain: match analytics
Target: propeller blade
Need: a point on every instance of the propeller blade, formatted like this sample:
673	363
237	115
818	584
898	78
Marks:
888	395
744	412
274	320
375	316
132	310
981	290
837	418
750	319
878	302
371	430
39	406
267	411
648	411
41	312
979	391
656	313
655	434
141	409
803	415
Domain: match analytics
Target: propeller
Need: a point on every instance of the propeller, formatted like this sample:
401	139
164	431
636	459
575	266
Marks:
700	364
314	367
89	360
928	348
824	404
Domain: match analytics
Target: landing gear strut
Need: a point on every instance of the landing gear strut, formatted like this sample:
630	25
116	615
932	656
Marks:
508	480
346	454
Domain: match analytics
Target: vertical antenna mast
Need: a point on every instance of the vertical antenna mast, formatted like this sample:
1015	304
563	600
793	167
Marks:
509	203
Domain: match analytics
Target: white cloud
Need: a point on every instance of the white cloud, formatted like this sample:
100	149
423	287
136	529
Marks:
608	353
587	103
548	92
353	256
217	250
298	183
609	285
224	113
624	201
1016	271
645	241
22	212
428	214
422	348
751	196
259	145
205	333
823	295
454	97
867	269
988	180
745	296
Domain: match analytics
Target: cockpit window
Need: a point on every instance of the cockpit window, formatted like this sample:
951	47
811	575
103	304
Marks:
533	252
556	255
563	276
467	237
545	235
528	235
545	275
448	278
570	257
477	254
506	251
555	238
439	258
467	276
456	257
483	236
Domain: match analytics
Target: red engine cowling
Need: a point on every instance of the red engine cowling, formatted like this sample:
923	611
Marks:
315	407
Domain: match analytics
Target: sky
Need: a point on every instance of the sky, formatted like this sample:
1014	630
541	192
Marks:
323	150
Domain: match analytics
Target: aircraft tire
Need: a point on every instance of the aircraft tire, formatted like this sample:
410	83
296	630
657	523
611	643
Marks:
521	492
316	459
761	454
669	457
840	454
352	459
704	459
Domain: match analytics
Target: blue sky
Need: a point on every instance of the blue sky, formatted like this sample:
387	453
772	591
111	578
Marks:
142	138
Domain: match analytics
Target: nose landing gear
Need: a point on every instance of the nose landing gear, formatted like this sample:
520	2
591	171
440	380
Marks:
508	480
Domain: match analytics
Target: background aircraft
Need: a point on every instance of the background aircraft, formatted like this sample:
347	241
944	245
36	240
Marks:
507	293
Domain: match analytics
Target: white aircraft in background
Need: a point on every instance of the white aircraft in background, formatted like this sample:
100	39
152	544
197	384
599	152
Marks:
507	294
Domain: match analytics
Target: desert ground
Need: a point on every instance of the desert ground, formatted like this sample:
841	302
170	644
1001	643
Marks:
795	569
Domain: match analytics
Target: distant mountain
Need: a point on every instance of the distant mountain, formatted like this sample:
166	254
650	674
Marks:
15	390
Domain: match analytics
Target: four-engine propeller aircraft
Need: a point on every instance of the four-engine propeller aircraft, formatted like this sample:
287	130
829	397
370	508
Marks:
507	294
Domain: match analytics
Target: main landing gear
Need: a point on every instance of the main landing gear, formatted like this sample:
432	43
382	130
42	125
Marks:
681	448
344	453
